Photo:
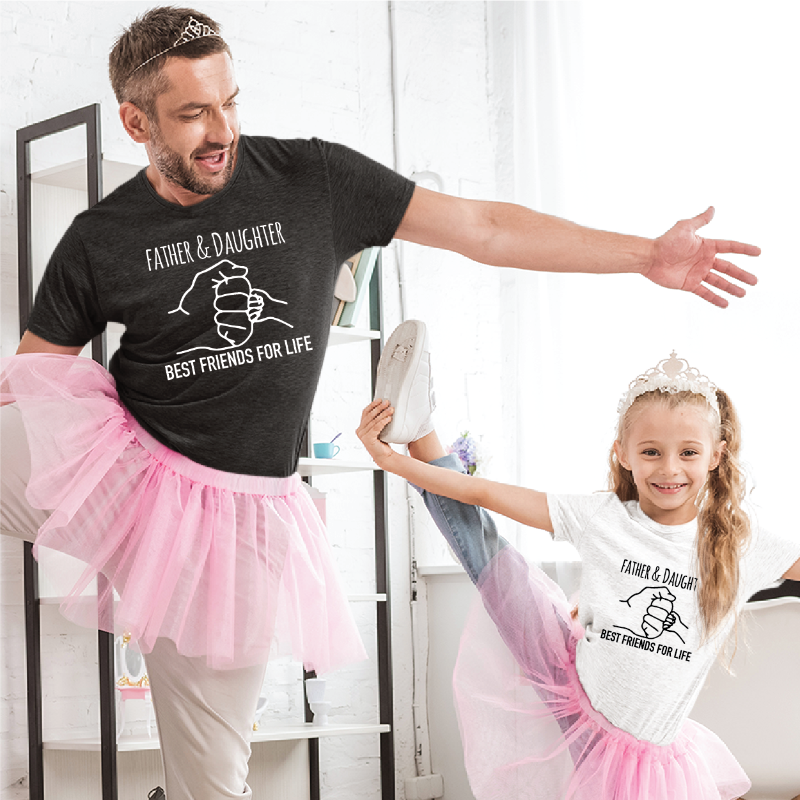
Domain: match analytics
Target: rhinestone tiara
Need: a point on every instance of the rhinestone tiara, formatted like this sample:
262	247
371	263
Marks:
193	30
672	375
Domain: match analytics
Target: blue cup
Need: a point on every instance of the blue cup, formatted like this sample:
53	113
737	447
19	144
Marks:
325	449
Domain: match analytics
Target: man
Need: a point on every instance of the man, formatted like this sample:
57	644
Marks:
216	257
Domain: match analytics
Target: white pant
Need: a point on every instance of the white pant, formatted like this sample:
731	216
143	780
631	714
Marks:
205	717
17	518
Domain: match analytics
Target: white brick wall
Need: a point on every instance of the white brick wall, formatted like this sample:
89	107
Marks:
310	68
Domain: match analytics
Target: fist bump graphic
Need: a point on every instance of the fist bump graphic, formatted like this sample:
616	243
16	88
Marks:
225	291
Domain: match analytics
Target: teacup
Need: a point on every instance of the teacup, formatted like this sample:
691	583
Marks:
325	449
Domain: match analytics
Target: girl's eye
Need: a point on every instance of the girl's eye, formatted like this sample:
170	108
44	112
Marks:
650	452
690	452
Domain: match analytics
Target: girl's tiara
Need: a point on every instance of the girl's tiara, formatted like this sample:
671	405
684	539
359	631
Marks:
193	30
672	375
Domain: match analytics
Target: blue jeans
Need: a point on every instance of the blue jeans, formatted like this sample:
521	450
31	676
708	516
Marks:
469	530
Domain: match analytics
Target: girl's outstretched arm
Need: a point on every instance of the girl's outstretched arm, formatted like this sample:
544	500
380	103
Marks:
522	505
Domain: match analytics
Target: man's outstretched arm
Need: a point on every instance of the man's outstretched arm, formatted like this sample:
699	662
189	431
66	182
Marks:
508	235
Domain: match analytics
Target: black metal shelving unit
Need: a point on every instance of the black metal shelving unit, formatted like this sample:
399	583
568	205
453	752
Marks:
382	586
90	118
382	577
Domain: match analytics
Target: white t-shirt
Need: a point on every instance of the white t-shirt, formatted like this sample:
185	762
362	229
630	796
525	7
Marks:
641	661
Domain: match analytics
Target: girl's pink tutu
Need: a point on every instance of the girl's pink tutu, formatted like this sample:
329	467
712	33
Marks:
528	729
230	567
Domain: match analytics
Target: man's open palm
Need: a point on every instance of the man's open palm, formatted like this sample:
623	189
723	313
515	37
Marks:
684	260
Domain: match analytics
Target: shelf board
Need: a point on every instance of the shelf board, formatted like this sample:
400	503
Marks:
91	744
442	569
57	601
341	335
331	466
73	175
367	598
309	731
267	733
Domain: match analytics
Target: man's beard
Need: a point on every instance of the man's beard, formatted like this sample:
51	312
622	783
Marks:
172	166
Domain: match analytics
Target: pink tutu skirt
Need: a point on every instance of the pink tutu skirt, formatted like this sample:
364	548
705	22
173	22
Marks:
231	567
528	729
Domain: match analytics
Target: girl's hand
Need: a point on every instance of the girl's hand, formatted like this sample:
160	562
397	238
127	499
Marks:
374	418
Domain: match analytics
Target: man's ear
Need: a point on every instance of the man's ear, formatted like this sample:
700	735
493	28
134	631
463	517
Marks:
621	455
135	122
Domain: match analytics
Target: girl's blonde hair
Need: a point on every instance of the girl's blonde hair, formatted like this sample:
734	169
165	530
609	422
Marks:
723	527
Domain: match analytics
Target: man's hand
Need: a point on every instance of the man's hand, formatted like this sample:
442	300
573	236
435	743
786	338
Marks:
684	260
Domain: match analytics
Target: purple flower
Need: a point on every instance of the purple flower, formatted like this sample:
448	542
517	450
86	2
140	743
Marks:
466	448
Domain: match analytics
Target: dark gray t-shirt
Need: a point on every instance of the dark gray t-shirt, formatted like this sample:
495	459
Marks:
226	304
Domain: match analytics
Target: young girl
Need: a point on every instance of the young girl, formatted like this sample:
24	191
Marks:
594	707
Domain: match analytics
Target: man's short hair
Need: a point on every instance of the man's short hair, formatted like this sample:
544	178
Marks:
136	62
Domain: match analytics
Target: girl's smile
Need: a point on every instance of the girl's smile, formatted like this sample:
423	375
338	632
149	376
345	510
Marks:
671	488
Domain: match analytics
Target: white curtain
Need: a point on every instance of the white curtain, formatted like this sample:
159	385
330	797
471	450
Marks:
630	116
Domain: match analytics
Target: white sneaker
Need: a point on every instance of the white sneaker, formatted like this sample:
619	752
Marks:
404	379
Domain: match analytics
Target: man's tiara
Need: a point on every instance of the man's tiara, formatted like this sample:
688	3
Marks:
672	375
193	30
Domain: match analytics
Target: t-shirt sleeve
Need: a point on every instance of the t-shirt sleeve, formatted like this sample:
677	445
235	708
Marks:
768	556
570	514
66	311
368	200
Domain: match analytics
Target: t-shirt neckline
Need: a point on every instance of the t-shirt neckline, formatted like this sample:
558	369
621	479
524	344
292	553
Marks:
211	201
671	531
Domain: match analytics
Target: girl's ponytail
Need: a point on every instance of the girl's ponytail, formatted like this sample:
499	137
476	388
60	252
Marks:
723	526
